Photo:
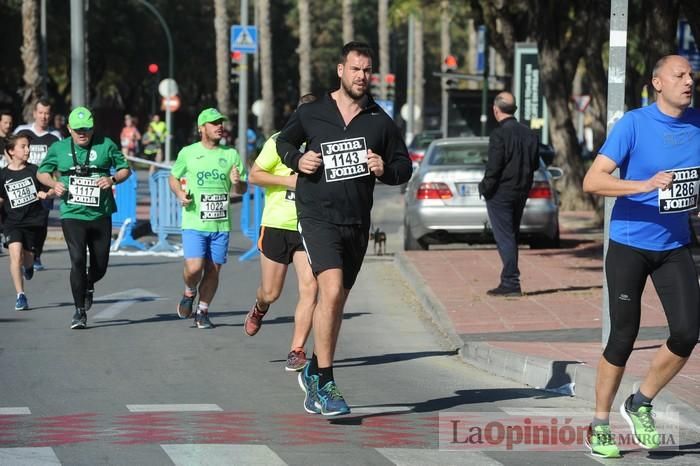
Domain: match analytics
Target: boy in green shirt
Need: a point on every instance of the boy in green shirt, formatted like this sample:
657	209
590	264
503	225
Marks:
210	170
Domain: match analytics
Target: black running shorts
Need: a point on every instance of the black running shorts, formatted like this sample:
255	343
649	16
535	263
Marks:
279	245
331	246
28	236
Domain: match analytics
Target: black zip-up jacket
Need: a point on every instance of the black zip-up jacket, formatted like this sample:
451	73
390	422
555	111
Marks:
348	199
513	160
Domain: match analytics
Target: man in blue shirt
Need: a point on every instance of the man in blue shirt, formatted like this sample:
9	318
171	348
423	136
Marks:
657	149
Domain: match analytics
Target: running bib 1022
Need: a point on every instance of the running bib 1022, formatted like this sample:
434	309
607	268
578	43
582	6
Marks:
682	195
21	192
345	159
83	190
213	207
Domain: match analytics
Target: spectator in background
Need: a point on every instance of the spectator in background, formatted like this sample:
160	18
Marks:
6	121
129	137
156	134
59	124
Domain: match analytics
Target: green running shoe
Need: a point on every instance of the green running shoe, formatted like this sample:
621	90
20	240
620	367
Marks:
641	424
601	442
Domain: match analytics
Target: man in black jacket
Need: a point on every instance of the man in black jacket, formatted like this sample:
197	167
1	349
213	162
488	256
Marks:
513	160
350	142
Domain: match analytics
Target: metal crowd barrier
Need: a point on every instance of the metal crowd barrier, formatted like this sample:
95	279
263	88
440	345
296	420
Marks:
166	211
125	197
250	224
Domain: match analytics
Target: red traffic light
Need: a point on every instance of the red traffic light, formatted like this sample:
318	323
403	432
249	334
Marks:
153	68
236	55
451	62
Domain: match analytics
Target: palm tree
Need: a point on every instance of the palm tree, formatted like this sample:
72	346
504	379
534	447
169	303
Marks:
418	71
348	19
304	48
445	45
223	101
268	113
30	57
383	33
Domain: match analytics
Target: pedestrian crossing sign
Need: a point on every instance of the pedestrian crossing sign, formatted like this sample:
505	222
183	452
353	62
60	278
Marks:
244	38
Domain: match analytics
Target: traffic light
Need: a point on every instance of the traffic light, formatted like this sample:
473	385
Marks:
375	86
390	80
236	58
450	66
153	68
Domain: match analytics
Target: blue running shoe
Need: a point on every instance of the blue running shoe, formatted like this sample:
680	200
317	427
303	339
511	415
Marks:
21	304
331	401
309	384
28	273
38	265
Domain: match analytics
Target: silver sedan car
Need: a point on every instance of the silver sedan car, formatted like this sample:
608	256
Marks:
443	205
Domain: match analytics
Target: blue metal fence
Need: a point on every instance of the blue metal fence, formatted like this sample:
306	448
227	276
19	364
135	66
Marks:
251	216
125	196
166	211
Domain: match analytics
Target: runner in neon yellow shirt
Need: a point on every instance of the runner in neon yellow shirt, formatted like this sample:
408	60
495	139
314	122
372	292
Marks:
279	245
211	171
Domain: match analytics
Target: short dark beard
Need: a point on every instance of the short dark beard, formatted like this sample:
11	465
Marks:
349	91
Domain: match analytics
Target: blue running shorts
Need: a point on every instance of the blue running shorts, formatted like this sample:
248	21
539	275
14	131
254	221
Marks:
205	245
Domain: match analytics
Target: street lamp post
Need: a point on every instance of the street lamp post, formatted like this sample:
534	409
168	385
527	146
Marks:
171	75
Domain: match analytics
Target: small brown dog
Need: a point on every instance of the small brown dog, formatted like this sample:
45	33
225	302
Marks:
379	238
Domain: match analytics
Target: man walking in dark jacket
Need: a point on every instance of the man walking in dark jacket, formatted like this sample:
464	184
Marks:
513	159
350	143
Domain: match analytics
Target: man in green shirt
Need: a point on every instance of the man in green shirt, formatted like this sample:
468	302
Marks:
84	162
210	170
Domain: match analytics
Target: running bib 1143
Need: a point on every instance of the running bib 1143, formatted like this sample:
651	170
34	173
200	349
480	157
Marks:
83	190
345	159
213	207
682	195
21	192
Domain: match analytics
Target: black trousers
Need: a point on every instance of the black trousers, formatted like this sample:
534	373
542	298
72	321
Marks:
81	236
505	213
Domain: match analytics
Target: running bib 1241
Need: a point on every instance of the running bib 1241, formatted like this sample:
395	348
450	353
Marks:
344	159
213	207
682	195
21	192
83	190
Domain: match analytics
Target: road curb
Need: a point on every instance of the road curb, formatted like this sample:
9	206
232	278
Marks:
537	372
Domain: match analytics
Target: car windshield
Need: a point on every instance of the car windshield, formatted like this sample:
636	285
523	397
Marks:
459	155
423	140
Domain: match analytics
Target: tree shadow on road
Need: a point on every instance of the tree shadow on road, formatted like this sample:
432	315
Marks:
390	358
289	319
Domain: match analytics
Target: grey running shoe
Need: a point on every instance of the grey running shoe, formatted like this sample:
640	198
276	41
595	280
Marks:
201	319
184	308
79	319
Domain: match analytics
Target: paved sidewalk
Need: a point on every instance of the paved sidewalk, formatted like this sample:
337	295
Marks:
550	338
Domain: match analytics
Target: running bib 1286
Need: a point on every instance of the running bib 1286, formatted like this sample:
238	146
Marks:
345	159
213	207
21	192
682	195
83	190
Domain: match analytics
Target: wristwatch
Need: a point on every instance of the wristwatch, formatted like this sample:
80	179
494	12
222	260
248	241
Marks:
114	180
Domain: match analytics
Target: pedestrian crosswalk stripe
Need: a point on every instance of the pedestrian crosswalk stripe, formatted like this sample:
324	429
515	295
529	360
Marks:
18	411
125	299
421	457
161	408
28	456
213	454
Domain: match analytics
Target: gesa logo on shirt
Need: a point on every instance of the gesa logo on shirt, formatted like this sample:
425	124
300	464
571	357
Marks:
212	175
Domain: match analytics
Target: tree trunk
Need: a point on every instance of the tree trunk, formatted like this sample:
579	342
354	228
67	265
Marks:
418	74
383	34
445	45
30	57
221	27
268	115
348	20
304	48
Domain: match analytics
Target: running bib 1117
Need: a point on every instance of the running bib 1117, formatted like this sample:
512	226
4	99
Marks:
213	207
682	195
345	159
83	190
21	192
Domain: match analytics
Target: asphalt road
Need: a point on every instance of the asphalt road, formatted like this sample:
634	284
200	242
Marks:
141	387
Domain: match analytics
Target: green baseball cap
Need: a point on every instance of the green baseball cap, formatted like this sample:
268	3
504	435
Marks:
80	118
209	115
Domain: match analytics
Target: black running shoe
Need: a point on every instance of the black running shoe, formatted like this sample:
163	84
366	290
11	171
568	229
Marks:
89	295
79	319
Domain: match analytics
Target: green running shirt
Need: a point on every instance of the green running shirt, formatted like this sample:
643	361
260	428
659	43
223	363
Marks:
280	209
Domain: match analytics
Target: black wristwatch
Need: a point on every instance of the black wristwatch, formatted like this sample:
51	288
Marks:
114	180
